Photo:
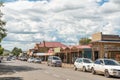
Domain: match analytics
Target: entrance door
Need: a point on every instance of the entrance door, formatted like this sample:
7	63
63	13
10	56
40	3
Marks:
96	55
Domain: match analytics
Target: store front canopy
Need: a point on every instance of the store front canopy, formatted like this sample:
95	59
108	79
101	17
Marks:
42	54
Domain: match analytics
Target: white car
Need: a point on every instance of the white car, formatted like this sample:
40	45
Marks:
37	60
83	64
31	59
108	67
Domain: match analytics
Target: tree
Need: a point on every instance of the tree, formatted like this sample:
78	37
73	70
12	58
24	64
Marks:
16	51
84	41
2	29
1	50
2	24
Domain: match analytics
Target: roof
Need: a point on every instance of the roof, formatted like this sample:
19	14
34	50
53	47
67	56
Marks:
51	44
107	41
81	46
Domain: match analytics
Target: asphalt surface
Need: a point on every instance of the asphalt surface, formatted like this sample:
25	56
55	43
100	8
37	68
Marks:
21	70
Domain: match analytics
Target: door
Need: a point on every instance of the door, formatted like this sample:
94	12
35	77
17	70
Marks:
97	65
96	55
80	64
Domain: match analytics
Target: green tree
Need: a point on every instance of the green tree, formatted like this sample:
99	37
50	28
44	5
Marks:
1	50
2	29
2	24
84	41
16	51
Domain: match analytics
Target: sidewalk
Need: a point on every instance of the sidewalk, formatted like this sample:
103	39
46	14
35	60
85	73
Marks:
64	65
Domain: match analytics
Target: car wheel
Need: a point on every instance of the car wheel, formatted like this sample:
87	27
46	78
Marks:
93	71
84	69
107	74
75	68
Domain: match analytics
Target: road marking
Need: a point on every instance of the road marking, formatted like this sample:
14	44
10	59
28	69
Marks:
67	79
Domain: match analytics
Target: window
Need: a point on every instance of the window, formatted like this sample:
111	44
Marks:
97	62
80	60
111	62
87	61
56	58
77	60
101	62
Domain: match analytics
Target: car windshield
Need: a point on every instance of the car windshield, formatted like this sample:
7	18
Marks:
56	58
111	62
38	59
87	61
31	58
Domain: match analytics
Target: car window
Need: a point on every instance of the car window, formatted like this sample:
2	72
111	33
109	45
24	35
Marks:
97	62
56	58
111	62
38	59
87	61
101	62
77	60
80	60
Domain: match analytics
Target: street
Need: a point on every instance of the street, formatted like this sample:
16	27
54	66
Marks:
22	70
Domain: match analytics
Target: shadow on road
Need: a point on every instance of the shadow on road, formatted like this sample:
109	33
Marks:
8	69
112	77
11	78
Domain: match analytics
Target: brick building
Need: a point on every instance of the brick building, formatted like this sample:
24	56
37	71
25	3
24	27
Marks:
105	46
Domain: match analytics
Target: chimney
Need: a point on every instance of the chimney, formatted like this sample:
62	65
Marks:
44	43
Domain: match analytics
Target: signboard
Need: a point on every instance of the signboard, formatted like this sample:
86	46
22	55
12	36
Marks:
56	50
112	48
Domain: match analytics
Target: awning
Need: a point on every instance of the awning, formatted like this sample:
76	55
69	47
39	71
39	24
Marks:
43	54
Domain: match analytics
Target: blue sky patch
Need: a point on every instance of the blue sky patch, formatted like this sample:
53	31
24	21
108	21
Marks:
102	2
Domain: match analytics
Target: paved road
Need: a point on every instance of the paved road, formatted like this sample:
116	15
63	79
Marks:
20	70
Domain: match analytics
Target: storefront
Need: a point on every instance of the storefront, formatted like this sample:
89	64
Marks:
70	54
107	46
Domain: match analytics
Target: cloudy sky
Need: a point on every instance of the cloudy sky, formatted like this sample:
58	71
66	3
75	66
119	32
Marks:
66	21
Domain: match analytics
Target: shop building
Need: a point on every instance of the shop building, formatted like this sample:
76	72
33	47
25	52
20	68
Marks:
105	46
71	53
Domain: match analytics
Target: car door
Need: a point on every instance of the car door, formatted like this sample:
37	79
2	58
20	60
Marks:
76	63
96	65
80	64
101	66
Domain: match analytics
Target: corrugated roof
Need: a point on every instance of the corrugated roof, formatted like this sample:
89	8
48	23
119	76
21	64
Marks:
80	46
52	44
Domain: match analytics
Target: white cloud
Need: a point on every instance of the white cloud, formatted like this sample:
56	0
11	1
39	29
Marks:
59	20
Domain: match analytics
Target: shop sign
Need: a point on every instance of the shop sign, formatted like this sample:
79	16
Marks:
112	48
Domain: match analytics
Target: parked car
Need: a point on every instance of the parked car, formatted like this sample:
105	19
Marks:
54	61
31	59
83	64
23	58
8	58
37	60
108	67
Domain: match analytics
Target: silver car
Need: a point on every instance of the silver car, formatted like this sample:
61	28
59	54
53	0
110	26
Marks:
31	59
37	60
54	61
